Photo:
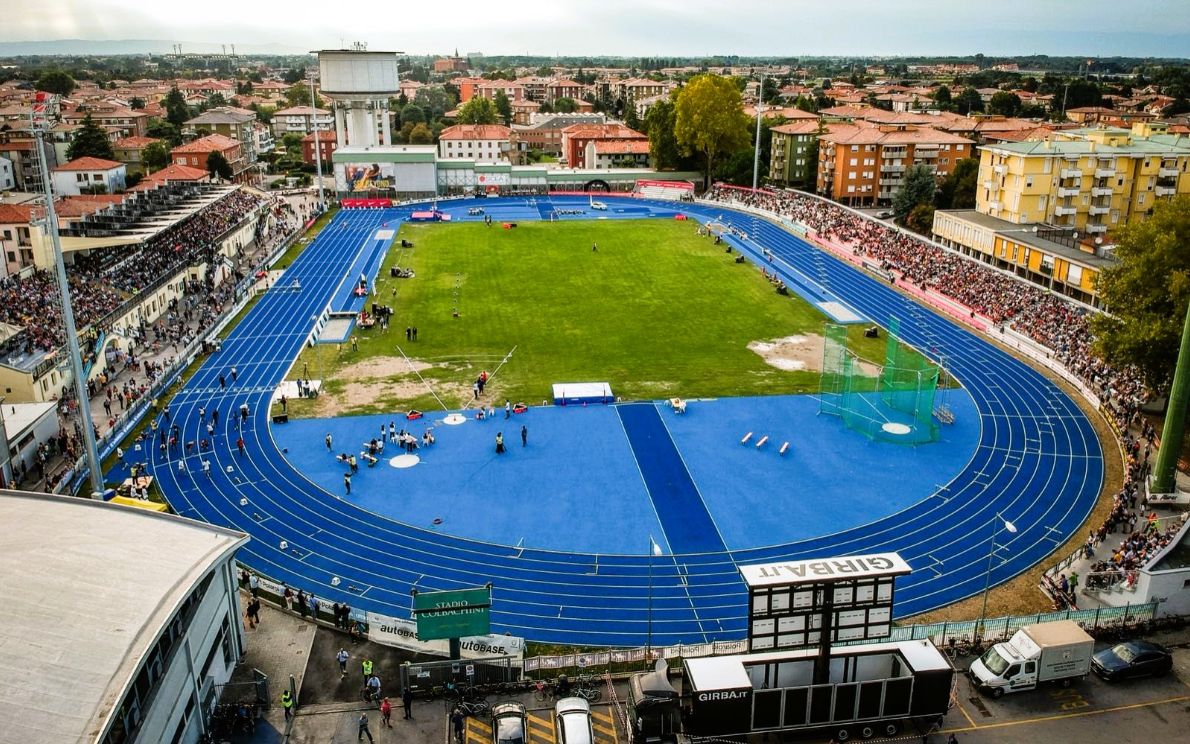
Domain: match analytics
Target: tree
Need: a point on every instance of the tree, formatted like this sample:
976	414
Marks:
216	100
1147	290
412	113
218	166
163	130
663	144
918	188
155	156
421	135
709	119
176	110
56	82
1005	103
921	219
136	104
942	98
957	190
545	108
969	101
503	107
478	110
294	74
434	101
631	119
299	95
90	141
565	105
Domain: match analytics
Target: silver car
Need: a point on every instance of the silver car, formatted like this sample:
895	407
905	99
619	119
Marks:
572	717
508	723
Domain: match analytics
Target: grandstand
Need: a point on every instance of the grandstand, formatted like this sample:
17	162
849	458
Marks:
144	214
664	190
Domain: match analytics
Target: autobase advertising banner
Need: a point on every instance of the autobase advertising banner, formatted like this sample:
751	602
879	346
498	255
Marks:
392	631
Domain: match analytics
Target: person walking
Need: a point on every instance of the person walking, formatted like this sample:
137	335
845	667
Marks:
233	374
240	445
328	442
222	382
458	721
499	443
253	585
507	408
524	436
314	608
386	712
206	467
254	612
301	601
414	333
407	702
347	482
363	728
287	704
372	689
342	657
366	667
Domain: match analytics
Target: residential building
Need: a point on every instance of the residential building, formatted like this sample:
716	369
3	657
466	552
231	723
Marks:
523	110
119	121
543	133
864	164
483	143
171	633
490	88
194	154
89	176
634	89
617	153
1090	180
535	87
235	123
468	87
302	120
326	144
26	163
1055	258
793	159
563	88
7	178
575	139
130	152
1090	114
262	138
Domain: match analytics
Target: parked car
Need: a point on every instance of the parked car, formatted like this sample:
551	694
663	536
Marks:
1132	659
572	717
508	723
884	215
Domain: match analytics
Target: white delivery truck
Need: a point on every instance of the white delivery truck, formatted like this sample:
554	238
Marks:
1058	651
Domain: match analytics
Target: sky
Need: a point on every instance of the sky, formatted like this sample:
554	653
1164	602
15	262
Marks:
1092	28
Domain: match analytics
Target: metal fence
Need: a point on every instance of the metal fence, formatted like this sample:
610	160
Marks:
428	677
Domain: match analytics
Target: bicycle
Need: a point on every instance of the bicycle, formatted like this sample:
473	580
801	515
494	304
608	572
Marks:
590	693
475	708
544	690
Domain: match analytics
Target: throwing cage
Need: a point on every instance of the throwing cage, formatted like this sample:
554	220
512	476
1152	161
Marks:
892	403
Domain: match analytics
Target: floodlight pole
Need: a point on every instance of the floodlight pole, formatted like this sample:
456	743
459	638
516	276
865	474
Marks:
72	341
997	522
317	146
649	636
756	148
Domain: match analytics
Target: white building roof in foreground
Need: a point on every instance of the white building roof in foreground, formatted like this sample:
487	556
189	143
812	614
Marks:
87	588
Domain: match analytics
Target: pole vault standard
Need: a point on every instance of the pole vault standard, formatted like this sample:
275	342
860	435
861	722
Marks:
467	403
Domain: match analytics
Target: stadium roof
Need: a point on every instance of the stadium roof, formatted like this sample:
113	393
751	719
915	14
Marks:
88	587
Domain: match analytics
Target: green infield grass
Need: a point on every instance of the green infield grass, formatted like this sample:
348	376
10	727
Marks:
656	312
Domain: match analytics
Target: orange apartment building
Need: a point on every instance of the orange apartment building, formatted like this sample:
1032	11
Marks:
863	165
194	155
576	137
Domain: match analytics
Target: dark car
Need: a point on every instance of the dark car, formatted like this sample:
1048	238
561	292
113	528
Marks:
508	723
1132	659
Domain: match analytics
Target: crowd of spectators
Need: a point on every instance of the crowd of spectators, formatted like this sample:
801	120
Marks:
191	241
32	303
1046	318
102	281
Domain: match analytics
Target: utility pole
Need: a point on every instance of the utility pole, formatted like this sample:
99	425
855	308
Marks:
40	128
317	146
756	150
1165	470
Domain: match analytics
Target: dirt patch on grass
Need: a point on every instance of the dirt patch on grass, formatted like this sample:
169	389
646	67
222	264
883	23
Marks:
801	353
383	383
383	367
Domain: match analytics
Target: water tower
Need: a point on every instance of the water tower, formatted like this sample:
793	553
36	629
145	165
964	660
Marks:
359	84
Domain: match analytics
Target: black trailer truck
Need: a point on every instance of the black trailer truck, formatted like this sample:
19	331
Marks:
872	689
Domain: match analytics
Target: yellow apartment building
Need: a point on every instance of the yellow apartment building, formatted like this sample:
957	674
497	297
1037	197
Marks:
1086	180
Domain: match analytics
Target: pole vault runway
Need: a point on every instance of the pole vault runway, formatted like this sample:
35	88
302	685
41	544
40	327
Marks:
1037	462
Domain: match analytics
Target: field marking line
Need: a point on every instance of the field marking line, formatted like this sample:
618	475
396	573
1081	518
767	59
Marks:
1064	716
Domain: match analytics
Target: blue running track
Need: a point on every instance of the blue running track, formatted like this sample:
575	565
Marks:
1038	463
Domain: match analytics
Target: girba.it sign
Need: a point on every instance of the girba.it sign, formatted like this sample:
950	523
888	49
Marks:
825	569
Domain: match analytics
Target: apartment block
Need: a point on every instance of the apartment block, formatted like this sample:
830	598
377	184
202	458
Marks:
863	164
1090	180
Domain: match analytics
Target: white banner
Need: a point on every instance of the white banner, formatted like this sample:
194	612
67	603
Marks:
391	631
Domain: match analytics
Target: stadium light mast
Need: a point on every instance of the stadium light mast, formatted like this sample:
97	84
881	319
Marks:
40	127
317	146
756	149
998	522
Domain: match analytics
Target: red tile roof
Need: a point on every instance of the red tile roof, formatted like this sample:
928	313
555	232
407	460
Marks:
621	147
176	172
89	164
15	214
614	130
476	132
210	143
324	136
134	143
